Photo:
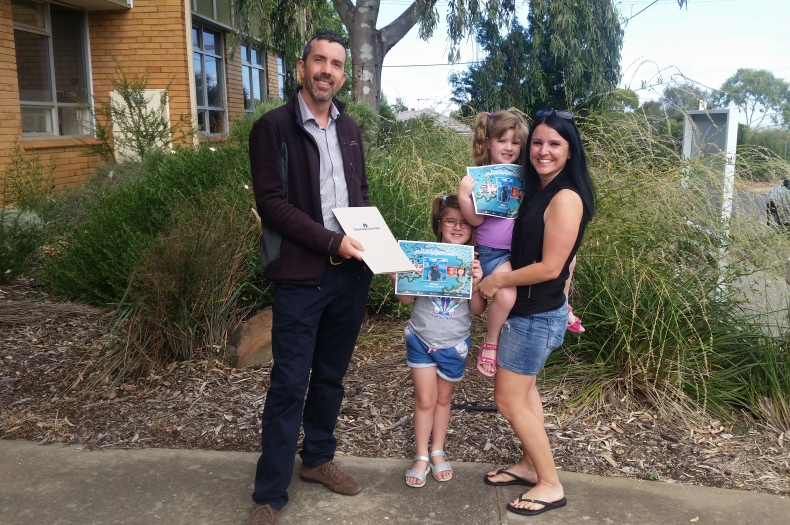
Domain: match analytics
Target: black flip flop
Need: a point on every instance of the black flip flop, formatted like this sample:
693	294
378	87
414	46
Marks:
546	506
517	480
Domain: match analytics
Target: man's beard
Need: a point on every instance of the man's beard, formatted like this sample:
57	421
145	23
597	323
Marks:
318	95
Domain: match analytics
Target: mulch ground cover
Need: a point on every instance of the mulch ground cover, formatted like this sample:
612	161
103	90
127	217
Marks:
205	404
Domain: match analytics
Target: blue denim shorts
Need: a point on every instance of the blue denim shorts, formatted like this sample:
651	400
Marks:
526	342
449	362
491	258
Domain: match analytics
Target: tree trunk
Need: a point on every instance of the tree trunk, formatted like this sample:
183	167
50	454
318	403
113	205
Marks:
369	45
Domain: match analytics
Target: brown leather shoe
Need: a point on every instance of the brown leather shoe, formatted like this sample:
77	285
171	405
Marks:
332	476
263	515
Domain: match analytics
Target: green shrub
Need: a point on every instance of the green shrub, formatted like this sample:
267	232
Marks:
665	339
21	234
25	189
185	294
241	127
134	124
92	260
410	165
26	184
662	285
69	206
366	119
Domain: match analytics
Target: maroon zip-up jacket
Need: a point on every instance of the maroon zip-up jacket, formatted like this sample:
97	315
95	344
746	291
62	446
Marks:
282	150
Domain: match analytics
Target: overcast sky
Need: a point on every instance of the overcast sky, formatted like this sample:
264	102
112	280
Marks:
707	43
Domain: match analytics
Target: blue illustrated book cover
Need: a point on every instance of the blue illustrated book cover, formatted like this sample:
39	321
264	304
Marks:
498	191
440	270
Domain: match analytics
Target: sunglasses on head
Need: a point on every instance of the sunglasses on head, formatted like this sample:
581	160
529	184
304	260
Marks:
562	113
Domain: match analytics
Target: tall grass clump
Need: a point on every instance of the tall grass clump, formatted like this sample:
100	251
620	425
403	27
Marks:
410	164
186	293
663	283
24	190
92	259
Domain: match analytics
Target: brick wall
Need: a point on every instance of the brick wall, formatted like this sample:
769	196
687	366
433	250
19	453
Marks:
271	74
149	39
234	85
10	117
66	159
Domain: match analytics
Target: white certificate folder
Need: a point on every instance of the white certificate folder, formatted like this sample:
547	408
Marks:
382	253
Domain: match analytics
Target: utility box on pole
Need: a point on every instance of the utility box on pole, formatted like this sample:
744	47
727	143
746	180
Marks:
714	133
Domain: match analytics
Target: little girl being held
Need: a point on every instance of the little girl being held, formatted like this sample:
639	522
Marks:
437	343
498	139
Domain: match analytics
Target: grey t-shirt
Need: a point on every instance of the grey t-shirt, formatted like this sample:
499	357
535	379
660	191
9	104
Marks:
440	322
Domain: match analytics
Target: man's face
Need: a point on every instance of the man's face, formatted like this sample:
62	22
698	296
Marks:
323	73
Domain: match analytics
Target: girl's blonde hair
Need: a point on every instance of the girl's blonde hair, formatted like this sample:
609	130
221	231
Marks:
492	126
439	209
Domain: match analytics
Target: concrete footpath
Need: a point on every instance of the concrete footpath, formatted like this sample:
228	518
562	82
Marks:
55	484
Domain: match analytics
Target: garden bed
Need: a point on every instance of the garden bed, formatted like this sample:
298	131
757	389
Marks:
209	406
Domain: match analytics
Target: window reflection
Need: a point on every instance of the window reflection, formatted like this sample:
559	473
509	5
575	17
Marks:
209	80
253	76
67	46
246	75
210	41
28	13
51	67
199	80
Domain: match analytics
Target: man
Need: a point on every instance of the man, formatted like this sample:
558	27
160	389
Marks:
434	274
306	159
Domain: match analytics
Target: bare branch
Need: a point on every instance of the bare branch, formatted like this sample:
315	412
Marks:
345	9
397	29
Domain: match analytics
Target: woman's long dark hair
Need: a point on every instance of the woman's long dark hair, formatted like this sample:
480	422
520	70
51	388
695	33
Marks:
576	166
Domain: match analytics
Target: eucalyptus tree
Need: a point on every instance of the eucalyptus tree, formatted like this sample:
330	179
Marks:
758	93
567	56
279	20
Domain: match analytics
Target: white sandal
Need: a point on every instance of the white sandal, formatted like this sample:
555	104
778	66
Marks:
441	467
418	473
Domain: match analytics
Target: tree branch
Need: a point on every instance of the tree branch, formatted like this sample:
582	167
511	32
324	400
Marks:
344	9
397	29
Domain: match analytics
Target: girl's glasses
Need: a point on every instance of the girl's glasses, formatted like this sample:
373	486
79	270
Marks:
562	113
452	223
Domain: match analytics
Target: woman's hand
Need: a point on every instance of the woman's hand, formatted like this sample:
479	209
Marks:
488	287
465	187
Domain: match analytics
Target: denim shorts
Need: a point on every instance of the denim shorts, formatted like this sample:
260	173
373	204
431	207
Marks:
491	258
449	362
526	342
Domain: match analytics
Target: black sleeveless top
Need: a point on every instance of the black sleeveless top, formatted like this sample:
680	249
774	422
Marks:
527	249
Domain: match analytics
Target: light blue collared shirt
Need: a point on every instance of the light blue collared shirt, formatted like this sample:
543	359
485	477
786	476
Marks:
334	191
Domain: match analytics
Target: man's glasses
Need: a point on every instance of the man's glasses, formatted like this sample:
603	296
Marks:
562	113
452	223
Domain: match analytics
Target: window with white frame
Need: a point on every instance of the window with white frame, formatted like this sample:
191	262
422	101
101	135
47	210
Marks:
253	75
280	77
209	64
52	68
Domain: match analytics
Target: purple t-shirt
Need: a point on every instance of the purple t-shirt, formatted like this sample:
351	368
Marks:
495	232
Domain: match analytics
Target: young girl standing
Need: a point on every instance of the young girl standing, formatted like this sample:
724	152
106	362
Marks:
499	138
437	343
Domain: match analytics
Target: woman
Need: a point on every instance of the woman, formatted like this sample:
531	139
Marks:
558	203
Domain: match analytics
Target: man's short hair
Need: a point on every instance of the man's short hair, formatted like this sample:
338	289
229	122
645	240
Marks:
323	35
